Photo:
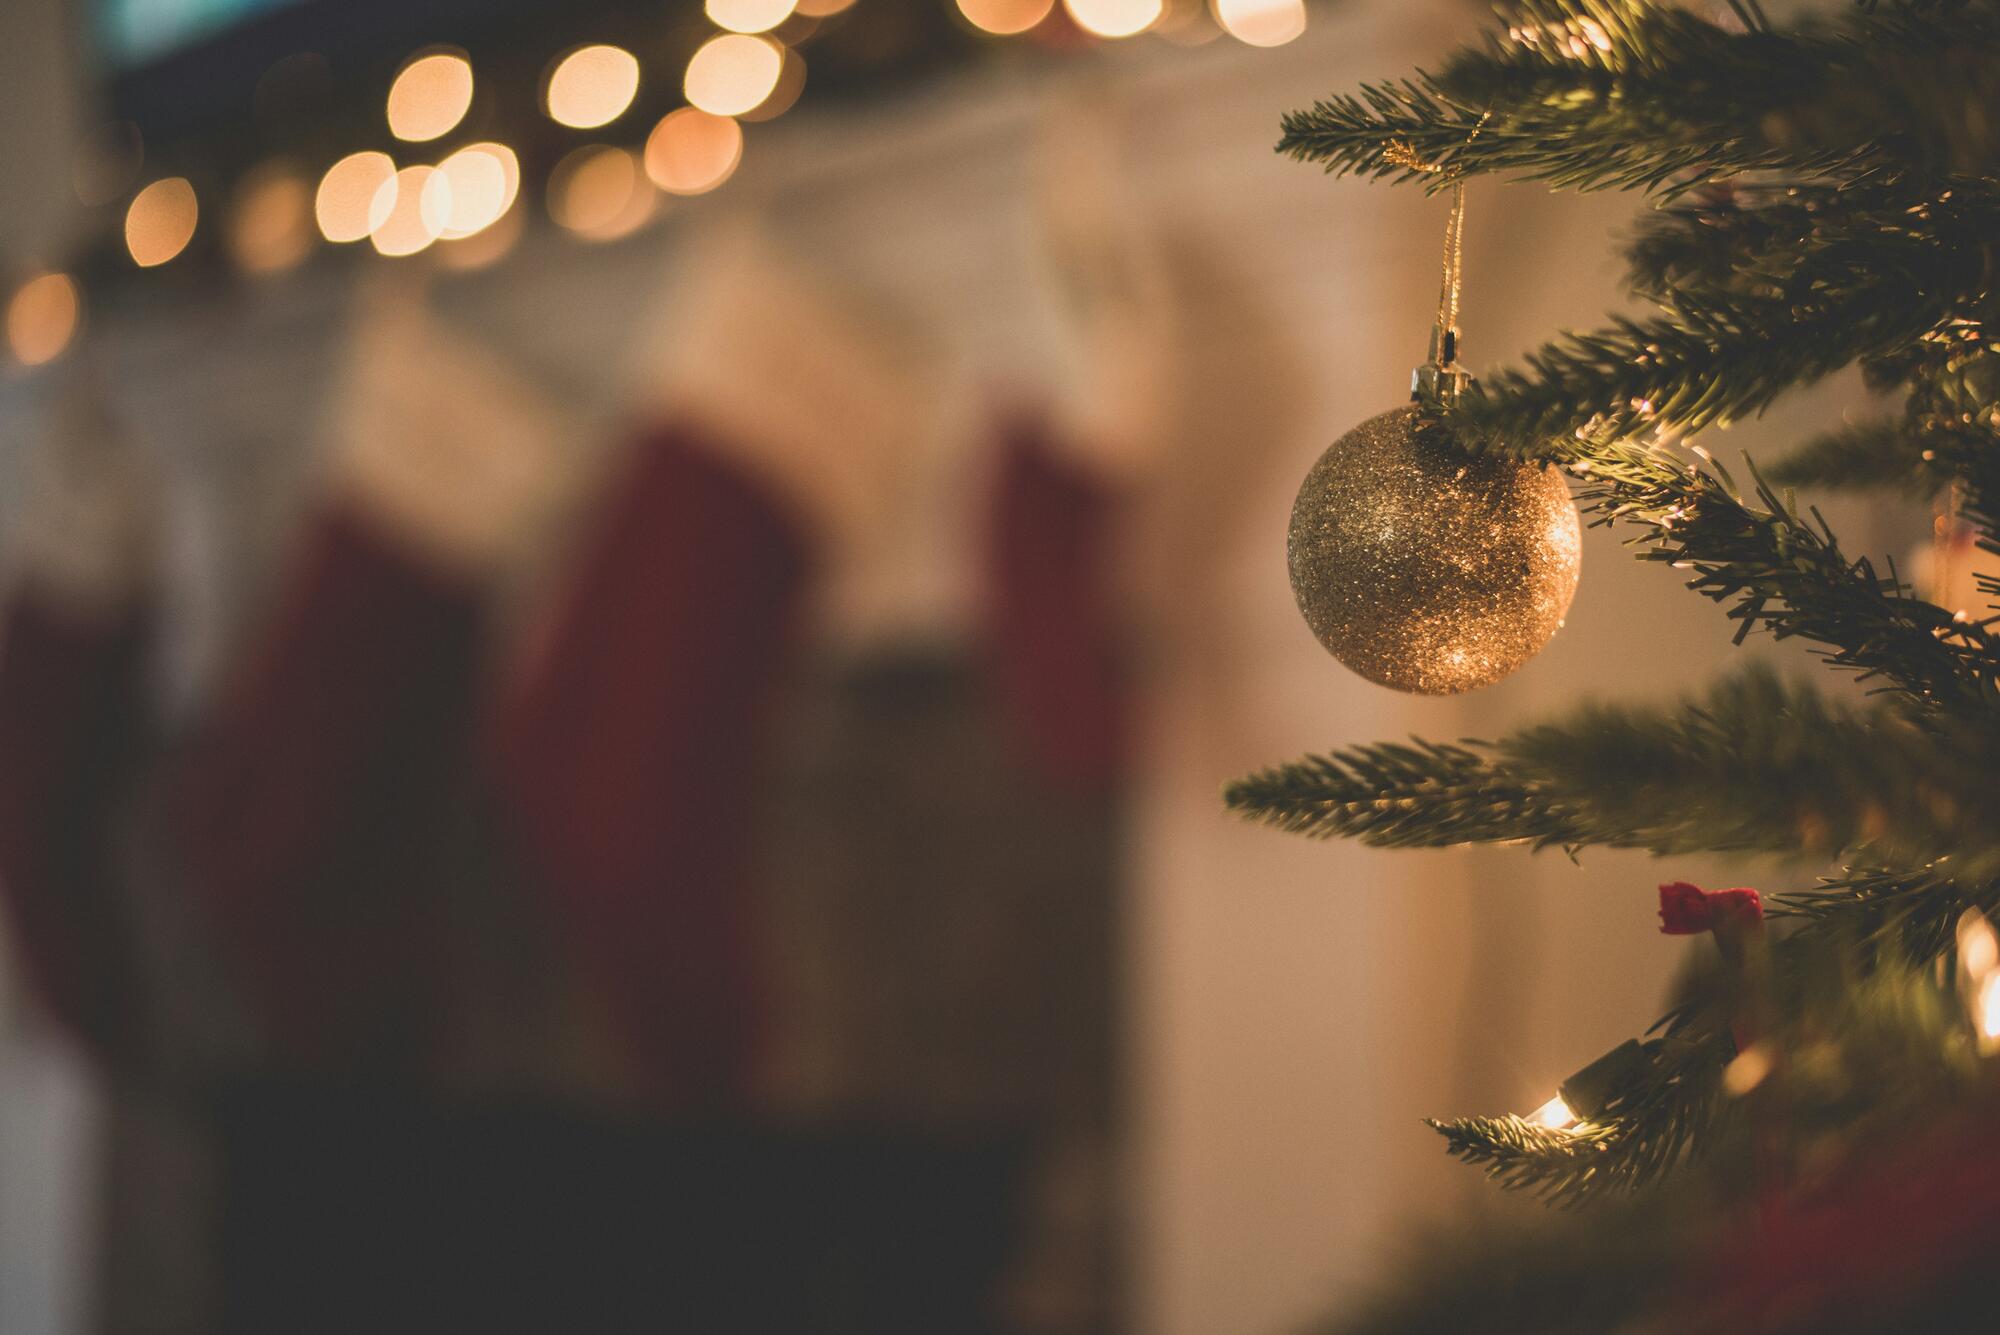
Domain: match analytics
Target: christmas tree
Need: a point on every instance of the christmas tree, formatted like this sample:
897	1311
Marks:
1800	1142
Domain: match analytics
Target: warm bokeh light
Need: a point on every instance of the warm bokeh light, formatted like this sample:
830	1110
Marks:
600	193
42	318
1555	1115
733	73
1005	17
1978	948
350	203
750	15
1113	18
691	151
430	96
592	86
820	9
1261	22
1986	1012
160	221
419	204
270	226
107	163
791	82
483	179
483	248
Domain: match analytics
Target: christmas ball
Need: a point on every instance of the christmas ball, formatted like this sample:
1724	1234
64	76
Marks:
1428	569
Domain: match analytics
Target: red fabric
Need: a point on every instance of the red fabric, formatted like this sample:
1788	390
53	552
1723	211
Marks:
69	724
1050	627
628	759
1689	910
308	808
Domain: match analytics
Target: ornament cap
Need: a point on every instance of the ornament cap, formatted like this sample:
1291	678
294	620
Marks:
1441	377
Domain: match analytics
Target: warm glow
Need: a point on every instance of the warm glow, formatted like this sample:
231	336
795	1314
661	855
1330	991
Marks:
750	15
819	9
1554	1115
600	193
733	74
791	82
1978	948
482	248
1986	1011
1747	1070
160	221
42	318
1005	16
431	95
1113	18
1261	22
483	180
351	202
691	151
419	203
270	220
592	86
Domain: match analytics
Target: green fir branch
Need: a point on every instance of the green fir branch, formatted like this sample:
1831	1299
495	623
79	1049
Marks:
1862	456
1756	764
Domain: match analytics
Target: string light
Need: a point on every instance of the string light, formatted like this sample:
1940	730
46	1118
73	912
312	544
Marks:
429	96
600	193
1114	18
592	86
1979	976
1261	22
733	73
750	15
691	151
822	9
42	318
484	180
1555	1115
160	221
270	220
350	203
419	205
1004	18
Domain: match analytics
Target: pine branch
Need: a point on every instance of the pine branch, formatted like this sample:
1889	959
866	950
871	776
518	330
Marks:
1632	95
1756	764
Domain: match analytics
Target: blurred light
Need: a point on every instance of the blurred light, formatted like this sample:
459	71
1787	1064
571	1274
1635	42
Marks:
1261	22
430	95
270	219
1986	1012
820	9
107	162
42	318
1113	18
600	193
1978	948
484	179
485	247
1555	1115
691	151
1747	1070
1005	17
350	203
160	221
419	200
791	82
733	73
750	15
592	86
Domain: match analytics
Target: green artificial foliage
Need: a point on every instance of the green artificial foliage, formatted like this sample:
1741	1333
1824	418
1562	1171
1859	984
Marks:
1825	195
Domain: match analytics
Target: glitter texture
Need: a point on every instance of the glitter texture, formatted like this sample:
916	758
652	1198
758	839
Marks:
1426	569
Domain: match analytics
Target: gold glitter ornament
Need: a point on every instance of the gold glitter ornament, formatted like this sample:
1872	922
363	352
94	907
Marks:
1428	569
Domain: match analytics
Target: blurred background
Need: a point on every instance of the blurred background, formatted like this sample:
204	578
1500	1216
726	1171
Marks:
623	627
